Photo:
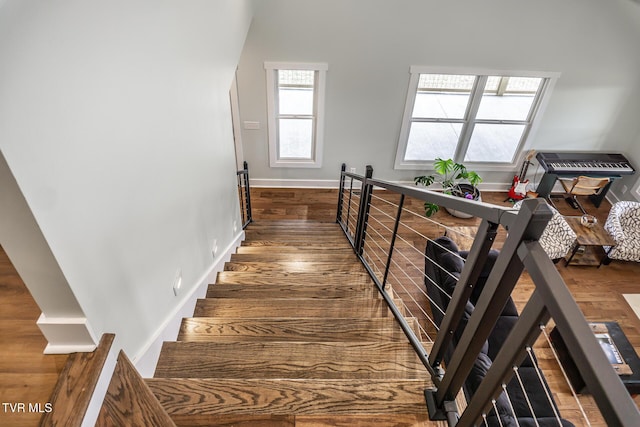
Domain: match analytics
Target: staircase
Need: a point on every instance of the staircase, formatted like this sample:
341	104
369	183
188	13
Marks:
293	333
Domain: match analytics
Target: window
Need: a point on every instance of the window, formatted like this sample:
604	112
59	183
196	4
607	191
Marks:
480	117
295	105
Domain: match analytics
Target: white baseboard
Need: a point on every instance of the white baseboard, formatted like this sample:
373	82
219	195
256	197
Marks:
67	334
146	360
329	183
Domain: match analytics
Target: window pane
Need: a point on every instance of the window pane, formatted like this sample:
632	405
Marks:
428	141
295	101
494	143
442	96
295	92
296	138
508	98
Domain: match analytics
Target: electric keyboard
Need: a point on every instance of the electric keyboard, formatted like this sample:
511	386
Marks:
568	164
600	164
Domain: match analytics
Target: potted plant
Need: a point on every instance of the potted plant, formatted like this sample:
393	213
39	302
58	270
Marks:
454	179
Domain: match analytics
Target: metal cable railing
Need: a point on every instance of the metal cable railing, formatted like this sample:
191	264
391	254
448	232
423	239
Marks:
244	195
471	337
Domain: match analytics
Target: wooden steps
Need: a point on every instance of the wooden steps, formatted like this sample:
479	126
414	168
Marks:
294	266
296	360
292	333
287	396
299	278
222	329
291	307
291	290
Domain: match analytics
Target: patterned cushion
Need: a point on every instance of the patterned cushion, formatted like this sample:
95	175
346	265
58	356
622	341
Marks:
623	224
558	238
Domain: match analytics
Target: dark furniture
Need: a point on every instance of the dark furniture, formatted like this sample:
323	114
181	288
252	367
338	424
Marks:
625	350
592	241
443	265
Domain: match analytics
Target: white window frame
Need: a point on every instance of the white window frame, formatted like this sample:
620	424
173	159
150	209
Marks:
542	99
272	120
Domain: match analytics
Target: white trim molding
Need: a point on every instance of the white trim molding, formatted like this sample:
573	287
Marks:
315	161
67	334
467	122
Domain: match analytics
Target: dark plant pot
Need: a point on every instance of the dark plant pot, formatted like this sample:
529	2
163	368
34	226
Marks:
462	190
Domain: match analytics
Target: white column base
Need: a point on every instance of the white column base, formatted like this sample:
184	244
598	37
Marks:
67	334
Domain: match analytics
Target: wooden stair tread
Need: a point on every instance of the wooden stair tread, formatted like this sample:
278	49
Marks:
293	333
294	231
289	396
295	307
294	249
291	290
420	419
311	278
302	243
293	267
331	360
295	256
290	329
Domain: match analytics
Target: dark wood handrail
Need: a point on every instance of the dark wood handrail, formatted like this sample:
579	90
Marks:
130	401
76	384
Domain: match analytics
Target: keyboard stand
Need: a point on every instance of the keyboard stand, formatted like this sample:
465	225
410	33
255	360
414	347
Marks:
549	179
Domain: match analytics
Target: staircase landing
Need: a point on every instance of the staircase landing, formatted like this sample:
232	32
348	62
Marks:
293	333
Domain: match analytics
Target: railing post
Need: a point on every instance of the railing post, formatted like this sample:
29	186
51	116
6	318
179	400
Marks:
603	383
533	218
363	214
393	241
340	191
523	335
247	192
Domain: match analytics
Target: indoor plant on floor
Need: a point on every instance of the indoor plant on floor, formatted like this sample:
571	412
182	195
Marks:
455	179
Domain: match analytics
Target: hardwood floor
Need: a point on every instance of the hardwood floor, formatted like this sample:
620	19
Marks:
26	375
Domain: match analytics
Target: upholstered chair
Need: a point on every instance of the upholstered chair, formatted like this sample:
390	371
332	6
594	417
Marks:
623	224
557	238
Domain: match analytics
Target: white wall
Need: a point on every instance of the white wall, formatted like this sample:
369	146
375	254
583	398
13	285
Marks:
370	45
115	122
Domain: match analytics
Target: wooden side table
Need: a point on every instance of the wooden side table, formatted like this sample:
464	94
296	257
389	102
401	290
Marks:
588	249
